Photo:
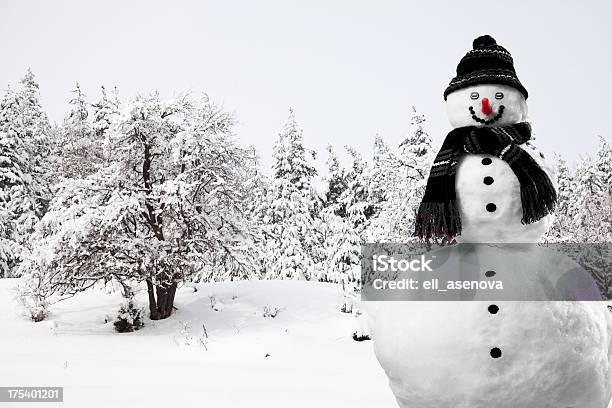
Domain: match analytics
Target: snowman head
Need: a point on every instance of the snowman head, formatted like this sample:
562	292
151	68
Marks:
486	105
486	90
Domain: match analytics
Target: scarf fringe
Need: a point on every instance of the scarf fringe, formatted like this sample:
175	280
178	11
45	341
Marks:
438	220
538	195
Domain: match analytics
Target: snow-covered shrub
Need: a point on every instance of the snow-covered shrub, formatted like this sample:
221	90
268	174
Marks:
349	298
361	336
130	317
271	311
350	293
38	311
34	297
213	303
362	326
186	338
347	306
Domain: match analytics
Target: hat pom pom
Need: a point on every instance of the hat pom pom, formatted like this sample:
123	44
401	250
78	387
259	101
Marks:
483	41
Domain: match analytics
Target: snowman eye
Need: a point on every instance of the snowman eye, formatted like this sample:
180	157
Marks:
474	95
499	95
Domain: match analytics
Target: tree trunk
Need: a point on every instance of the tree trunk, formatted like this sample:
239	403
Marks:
161	295
161	299
152	303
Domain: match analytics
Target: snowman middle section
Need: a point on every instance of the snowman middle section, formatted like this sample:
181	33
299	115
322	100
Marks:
489	197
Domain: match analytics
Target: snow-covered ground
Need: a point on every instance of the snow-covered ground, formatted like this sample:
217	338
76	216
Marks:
304	357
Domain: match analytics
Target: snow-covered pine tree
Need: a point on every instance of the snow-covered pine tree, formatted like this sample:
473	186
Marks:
15	198
78	150
416	144
592	201
34	119
406	179
341	242
416	155
24	192
38	134
257	205
336	183
36	130
604	164
293	245
584	214
383	181
171	203
381	174
564	213
343	251
105	111
291	161
356	198
588	189
583	210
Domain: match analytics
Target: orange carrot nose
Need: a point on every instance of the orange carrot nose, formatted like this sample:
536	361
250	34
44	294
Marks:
486	108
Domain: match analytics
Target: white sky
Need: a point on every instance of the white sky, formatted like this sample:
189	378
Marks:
350	69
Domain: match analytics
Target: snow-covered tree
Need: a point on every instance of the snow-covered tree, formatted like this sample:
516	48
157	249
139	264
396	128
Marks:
37	132
291	161
78	150
356	198
24	192
293	247
404	184
381	174
584	196
564	212
342	243
591	197
259	186
34	119
343	251
418	142
336	183
583	224
17	204
604	164
105	111
171	203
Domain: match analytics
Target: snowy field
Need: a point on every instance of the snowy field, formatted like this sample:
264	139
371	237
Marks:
304	357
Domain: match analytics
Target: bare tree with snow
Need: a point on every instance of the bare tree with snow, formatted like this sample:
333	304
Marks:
170	202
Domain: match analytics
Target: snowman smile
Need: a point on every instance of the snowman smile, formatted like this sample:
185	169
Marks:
497	117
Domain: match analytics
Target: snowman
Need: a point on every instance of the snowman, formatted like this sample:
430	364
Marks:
489	184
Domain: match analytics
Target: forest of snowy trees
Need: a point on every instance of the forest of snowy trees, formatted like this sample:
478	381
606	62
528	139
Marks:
144	190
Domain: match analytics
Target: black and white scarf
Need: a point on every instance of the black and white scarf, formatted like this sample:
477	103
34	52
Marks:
438	215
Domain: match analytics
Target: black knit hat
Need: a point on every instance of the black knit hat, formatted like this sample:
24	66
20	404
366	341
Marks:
487	63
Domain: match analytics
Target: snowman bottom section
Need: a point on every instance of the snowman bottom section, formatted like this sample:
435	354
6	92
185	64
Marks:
504	355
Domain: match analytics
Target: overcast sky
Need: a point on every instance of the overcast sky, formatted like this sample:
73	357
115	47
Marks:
349	69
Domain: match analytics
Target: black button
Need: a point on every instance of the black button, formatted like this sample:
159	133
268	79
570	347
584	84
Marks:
493	309
490	274
486	161
488	180
491	207
495	352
